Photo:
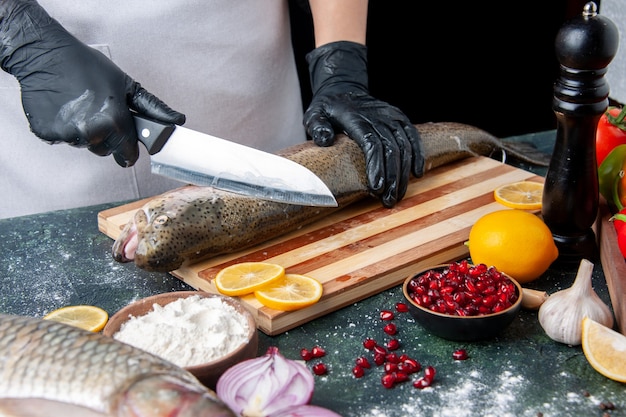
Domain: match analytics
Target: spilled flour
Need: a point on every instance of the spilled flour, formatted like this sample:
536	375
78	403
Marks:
188	331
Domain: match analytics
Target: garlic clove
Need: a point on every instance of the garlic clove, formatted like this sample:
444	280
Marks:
533	299
562	312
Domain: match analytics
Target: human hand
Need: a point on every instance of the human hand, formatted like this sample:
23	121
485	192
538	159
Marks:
342	103
70	92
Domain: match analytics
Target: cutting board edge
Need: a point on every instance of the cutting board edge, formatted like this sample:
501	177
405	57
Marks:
613	265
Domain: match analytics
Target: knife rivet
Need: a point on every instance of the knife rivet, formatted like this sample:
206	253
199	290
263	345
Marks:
145	132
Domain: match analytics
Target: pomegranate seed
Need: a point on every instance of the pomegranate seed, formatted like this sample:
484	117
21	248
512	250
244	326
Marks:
410	365
380	350
363	362
306	354
386	315
369	343
358	371
388	380
390	329
459	354
379	358
390	367
429	373
401	376
318	352
464	290
392	357
421	383
320	369
402	308
393	344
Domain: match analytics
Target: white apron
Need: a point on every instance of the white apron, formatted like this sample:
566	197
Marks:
228	65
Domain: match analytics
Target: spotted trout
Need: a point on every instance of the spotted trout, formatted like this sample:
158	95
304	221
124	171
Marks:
52	369
194	223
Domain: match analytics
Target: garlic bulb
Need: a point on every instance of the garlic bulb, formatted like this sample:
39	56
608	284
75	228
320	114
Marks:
562	313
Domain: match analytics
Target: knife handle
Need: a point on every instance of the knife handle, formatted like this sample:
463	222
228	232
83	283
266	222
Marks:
151	133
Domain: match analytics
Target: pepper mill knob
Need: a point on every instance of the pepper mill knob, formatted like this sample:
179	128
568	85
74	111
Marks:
585	45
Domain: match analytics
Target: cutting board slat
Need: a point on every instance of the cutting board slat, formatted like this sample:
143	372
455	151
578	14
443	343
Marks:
365	248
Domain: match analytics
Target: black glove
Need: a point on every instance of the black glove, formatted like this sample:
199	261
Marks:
70	92
341	103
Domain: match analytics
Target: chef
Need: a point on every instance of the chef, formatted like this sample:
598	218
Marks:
221	67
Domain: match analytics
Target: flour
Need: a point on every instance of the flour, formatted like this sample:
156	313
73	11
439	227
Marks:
188	331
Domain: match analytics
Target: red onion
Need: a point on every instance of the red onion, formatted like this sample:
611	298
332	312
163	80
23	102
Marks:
306	411
265	385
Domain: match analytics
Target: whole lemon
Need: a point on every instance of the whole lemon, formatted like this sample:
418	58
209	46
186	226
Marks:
515	242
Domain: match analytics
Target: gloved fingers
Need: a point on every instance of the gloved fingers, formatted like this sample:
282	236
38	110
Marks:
318	125
405	157
415	140
150	105
382	156
111	133
127	153
124	149
373	152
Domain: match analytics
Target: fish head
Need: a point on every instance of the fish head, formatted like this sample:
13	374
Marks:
170	229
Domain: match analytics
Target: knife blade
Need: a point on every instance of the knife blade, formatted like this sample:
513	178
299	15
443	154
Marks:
197	158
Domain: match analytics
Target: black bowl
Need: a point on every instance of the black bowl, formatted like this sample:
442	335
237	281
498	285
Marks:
462	328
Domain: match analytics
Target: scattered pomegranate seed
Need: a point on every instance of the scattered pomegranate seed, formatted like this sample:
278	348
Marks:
410	365
402	307
429	373
380	350
421	383
392	357
320	368
318	352
390	367
460	354
388	380
386	315
379	358
363	362
393	344
358	371
306	354
390	329
369	343
401	376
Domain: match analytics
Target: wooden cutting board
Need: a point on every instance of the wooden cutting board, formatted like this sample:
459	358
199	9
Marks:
613	265
364	248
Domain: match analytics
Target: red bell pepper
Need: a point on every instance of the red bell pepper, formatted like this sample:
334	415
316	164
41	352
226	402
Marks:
619	222
610	132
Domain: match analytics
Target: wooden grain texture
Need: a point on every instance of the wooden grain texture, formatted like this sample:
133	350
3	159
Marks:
365	248
613	265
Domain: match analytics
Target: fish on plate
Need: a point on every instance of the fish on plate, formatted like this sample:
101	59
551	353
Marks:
49	368
193	223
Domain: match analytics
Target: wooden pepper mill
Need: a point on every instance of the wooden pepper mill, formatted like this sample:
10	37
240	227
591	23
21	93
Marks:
584	46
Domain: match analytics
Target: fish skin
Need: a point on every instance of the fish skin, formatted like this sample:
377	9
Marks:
194	223
77	372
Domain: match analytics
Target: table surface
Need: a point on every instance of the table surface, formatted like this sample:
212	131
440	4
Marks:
60	258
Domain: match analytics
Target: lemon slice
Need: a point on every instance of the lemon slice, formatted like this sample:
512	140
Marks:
290	293
247	277
605	349
86	317
525	195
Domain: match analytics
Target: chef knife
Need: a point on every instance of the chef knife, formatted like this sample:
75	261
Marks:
197	158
